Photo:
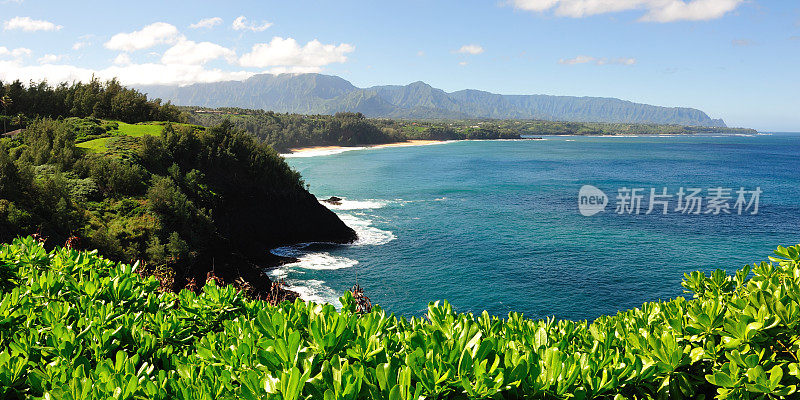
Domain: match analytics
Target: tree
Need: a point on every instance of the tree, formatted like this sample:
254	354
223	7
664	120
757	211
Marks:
5	101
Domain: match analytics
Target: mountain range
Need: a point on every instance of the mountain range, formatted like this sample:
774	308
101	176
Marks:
327	94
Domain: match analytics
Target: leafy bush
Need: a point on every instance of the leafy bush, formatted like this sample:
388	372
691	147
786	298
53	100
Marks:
76	326
90	128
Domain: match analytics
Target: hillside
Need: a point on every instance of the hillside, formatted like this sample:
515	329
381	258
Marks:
184	199
324	94
87	168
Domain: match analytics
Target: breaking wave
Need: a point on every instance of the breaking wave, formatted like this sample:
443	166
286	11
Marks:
310	257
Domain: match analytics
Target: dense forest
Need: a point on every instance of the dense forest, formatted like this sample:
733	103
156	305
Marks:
109	100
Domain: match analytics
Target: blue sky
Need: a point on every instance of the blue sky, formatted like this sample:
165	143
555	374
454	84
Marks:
734	59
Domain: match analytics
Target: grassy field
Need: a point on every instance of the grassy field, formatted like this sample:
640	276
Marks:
138	130
96	145
133	130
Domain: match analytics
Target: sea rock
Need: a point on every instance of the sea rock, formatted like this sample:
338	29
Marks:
337	201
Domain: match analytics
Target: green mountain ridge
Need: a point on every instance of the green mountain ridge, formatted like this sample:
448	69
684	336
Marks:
327	94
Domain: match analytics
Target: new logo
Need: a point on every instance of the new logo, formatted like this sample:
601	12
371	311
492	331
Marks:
591	200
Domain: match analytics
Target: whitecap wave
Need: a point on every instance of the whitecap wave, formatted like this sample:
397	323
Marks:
310	289
368	235
314	290
312	260
345	204
309	259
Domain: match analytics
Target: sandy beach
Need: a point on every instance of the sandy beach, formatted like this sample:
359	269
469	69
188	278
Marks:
334	149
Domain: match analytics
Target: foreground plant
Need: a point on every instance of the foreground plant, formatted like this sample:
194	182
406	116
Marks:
74	325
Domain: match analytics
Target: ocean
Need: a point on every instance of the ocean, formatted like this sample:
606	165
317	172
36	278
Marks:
496	225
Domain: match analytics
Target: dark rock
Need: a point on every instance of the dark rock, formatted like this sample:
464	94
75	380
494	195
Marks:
337	201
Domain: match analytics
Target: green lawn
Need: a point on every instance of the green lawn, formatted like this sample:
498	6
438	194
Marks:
96	145
137	130
133	130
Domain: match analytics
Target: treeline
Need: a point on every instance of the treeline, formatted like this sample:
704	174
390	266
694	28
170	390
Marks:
191	199
537	127
286	131
109	100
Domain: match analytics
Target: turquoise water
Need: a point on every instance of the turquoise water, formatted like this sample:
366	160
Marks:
495	225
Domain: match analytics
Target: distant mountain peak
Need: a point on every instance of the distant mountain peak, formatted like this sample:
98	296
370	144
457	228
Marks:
327	94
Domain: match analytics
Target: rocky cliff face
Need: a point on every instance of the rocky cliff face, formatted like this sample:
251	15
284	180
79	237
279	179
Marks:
258	203
252	229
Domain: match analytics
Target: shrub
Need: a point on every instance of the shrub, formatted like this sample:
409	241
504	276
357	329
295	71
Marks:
75	325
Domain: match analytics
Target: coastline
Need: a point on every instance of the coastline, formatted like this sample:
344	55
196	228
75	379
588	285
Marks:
317	149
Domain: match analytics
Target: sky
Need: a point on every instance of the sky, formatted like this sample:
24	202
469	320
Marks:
734	59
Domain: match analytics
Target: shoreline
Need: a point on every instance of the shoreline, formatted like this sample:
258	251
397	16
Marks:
407	143
336	149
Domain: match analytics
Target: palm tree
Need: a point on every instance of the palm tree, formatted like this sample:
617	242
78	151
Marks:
5	101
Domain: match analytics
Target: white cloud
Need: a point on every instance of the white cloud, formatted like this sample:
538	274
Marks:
294	69
287	54
742	42
655	10
695	10
79	45
133	74
149	36
19	52
616	61
184	62
576	60
470	49
206	23
420	53
240	23
122	59
192	53
50	58
597	61
28	24
463	63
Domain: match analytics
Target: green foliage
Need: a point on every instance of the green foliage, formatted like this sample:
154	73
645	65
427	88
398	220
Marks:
76	326
108	100
537	127
47	141
287	131
182	196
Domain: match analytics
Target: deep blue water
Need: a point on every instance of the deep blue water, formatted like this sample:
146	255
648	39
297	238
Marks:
495	225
